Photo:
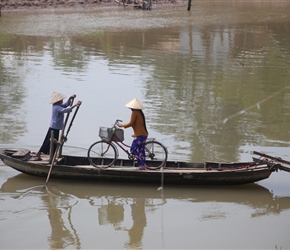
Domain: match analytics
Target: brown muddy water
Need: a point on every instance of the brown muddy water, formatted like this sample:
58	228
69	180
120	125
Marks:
215	85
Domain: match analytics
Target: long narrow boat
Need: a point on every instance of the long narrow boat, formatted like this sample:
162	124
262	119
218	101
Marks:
204	173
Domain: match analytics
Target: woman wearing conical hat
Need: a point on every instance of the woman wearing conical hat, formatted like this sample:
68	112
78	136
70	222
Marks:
59	108
138	123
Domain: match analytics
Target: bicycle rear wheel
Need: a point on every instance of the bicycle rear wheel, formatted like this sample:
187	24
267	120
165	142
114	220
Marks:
102	154
156	155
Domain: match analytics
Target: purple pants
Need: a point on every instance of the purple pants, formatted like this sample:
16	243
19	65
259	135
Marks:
138	149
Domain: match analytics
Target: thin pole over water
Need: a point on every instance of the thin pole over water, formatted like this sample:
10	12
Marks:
189	5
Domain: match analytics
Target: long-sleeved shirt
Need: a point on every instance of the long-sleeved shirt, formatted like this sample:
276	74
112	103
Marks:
137	123
57	115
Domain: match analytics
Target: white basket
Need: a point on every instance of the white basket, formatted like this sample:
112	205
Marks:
103	133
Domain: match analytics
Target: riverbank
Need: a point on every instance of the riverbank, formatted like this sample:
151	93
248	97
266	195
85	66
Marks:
8	6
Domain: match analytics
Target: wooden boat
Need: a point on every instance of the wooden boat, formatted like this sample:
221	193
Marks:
205	173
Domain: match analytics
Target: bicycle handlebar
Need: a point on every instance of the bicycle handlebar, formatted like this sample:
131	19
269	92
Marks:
117	121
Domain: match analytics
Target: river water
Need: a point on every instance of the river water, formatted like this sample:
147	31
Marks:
215	85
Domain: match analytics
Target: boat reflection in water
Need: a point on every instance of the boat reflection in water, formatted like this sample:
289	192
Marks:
125	207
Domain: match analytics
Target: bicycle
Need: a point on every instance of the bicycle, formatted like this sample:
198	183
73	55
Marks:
104	153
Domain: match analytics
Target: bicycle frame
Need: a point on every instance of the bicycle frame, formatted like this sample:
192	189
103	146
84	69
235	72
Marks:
115	140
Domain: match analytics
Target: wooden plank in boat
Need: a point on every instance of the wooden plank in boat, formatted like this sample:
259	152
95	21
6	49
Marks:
21	153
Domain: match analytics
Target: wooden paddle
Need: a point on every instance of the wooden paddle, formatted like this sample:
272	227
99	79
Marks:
70	125
71	122
65	123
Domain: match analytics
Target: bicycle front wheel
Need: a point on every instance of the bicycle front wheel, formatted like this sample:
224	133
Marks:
102	154
156	155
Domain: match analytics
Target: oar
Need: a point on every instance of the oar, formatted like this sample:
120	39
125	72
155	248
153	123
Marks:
62	138
71	123
66	120
52	163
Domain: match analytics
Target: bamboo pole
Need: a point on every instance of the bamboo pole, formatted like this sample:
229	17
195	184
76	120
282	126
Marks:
189	5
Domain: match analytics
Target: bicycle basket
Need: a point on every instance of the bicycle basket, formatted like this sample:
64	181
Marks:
113	134
103	133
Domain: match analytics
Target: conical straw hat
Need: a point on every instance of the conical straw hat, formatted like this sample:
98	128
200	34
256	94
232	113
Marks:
56	97
134	104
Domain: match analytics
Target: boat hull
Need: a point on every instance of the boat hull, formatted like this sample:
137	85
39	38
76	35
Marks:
181	173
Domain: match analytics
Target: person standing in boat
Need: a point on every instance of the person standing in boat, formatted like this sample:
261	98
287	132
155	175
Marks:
138	123
59	108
